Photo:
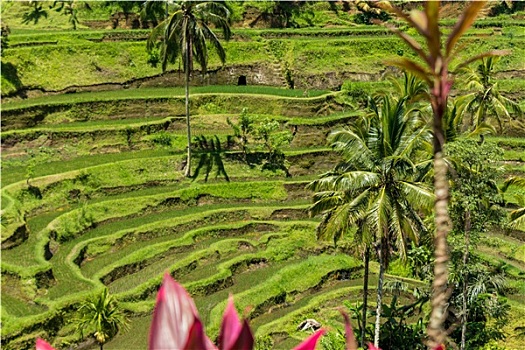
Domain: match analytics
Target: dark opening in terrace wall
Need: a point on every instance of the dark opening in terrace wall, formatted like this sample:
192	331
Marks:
241	80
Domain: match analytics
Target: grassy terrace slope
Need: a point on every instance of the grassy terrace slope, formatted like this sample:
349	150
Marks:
319	62
93	196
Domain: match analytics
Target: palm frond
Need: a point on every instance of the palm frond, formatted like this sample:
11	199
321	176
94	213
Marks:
482	129
517	218
353	148
356	181
513	181
199	49
325	201
419	195
215	8
399	232
210	35
380	212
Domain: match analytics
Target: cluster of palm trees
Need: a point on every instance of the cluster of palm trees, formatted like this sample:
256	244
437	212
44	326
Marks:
379	186
382	185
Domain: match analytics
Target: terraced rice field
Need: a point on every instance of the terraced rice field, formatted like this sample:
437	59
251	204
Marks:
92	199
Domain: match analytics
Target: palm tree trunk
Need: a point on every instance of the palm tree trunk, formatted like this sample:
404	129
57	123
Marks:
187	173
365	295
379	296
465	281
439	299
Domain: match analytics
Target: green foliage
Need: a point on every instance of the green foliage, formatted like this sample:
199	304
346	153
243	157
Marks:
242	130
368	12
186	30
399	268
4	34
162	139
481	331
267	135
474	209
333	340
420	261
102	317
484	102
85	179
357	90
397	331
358	192
264	342
272	138
474	186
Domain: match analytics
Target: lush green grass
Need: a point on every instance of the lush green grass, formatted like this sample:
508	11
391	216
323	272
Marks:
94	125
367	55
19	308
17	173
96	63
204	237
286	281
514	155
157	93
71	223
508	142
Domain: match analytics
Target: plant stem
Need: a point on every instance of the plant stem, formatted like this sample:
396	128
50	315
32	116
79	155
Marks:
187	173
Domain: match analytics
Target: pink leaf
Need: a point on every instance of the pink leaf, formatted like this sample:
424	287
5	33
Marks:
351	343
230	326
173	318
197	339
43	345
310	342
245	338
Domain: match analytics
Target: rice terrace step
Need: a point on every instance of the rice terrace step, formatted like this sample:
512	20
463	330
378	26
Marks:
311	171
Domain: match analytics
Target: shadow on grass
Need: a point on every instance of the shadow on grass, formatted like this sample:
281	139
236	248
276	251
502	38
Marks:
10	73
210	155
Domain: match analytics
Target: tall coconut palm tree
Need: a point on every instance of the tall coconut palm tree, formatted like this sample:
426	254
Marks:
486	101
340	214
185	33
103	315
376	184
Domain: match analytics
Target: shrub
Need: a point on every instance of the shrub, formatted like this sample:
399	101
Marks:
162	139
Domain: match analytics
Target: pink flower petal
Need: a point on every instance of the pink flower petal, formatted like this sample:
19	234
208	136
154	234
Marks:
372	347
310	342
43	345
351	343
230	326
245	340
174	316
440	347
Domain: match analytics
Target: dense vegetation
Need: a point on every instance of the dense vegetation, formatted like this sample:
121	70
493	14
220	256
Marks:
95	201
